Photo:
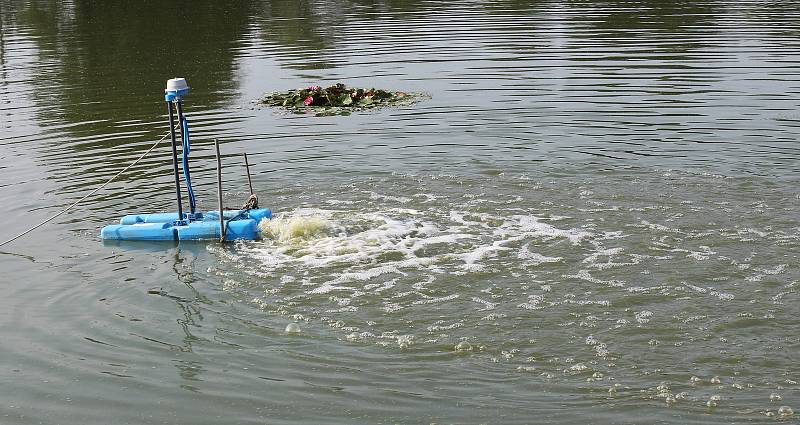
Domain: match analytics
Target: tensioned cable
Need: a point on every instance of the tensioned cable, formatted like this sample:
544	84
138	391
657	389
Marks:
88	194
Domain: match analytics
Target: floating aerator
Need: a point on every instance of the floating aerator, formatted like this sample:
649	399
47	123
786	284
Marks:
194	225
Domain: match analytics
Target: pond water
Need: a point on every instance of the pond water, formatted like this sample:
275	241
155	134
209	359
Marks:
594	217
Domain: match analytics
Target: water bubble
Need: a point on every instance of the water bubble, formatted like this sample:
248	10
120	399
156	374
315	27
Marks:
643	316
785	411
293	328
670	400
463	346
716	380
769	413
775	397
694	380
405	341
526	369
578	368
713	401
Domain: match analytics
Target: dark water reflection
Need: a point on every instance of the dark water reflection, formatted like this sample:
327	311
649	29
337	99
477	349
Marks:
681	80
95	66
666	131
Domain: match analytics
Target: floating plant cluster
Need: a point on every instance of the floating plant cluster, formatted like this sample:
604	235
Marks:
337	99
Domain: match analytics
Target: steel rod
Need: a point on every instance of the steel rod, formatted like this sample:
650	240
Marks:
175	160
179	108
247	167
219	193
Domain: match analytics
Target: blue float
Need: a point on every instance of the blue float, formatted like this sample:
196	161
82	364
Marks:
193	225
240	224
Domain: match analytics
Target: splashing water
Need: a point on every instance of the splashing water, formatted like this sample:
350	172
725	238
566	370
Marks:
287	229
566	284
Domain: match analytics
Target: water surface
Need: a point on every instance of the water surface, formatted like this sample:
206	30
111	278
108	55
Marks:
593	218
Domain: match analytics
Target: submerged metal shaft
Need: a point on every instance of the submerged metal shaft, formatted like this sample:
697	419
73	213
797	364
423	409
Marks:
219	193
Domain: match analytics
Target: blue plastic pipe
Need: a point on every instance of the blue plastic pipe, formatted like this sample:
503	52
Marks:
185	155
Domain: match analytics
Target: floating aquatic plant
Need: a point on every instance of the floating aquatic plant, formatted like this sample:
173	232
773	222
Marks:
337	99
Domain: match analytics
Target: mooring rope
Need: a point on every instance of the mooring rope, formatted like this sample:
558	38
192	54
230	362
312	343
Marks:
88	194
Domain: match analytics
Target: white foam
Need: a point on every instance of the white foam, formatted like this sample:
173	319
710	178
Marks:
345	267
378	196
533	227
434	300
584	275
470	258
486	304
534	258
724	296
644	316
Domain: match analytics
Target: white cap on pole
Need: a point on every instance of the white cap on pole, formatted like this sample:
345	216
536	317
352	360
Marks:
176	87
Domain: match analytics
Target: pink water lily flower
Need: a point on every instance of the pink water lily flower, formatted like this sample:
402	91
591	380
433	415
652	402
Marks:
308	101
